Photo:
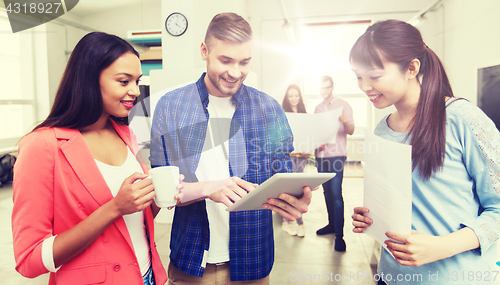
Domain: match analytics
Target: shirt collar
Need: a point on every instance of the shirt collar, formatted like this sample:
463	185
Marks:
330	103
202	89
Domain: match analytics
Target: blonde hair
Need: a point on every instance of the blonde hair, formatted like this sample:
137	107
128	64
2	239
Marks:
229	27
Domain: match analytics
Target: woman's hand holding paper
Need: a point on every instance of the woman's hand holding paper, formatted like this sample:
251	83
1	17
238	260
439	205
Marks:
360	222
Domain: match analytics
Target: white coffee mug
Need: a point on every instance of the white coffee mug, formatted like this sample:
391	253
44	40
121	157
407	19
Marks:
165	180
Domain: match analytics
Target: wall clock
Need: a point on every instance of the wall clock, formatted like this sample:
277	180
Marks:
176	24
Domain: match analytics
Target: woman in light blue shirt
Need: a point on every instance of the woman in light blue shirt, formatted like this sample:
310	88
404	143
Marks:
456	162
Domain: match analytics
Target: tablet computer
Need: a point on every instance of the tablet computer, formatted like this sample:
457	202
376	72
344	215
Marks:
290	183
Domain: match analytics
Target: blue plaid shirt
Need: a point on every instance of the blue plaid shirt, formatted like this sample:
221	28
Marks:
259	146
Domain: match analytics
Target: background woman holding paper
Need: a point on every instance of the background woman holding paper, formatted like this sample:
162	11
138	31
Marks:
83	209
456	161
294	103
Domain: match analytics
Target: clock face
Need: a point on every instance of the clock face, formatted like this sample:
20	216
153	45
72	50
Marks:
176	24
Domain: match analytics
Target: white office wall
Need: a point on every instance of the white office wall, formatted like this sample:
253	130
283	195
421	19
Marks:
468	38
62	38
277	70
274	69
462	32
138	15
181	55
277	67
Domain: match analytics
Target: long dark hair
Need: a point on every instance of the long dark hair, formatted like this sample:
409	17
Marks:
78	101
400	43
301	108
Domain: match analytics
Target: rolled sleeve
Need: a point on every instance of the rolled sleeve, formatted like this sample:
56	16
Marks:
48	254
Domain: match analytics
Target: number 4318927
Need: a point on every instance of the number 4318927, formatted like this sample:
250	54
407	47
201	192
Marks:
33	8
471	276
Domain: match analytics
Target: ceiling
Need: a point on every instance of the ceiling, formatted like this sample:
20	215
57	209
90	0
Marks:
85	7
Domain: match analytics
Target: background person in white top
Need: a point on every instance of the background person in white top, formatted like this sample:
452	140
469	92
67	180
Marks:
294	103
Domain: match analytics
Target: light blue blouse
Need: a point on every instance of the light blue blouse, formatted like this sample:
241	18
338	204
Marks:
465	193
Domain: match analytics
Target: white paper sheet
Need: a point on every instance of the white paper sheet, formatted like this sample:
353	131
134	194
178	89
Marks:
312	130
387	187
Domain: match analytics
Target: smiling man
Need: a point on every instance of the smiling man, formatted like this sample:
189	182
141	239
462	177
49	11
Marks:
214	129
228	61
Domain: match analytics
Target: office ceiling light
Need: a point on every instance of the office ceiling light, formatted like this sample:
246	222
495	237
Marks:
287	26
420	16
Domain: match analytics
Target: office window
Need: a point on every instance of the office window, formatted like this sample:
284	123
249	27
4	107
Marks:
17	102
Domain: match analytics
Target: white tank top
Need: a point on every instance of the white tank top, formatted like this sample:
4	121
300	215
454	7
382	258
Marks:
114	176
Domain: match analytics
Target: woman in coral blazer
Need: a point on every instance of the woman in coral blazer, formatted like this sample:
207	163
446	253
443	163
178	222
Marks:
83	209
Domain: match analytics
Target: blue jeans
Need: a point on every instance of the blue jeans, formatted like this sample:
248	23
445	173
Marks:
333	191
299	163
149	277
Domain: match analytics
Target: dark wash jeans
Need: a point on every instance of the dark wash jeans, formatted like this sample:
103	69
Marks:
333	191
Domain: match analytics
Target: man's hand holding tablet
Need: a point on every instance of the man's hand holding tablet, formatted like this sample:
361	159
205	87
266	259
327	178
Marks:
287	194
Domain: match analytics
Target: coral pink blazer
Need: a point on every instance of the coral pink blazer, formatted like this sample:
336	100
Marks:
56	185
